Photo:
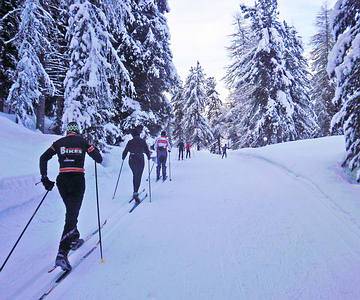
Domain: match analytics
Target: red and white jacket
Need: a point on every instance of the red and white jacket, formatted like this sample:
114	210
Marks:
162	143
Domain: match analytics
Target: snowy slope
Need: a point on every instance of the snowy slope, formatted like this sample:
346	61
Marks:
281	222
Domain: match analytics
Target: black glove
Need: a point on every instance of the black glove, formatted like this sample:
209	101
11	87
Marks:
47	183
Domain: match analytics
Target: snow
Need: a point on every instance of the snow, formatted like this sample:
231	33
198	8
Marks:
279	222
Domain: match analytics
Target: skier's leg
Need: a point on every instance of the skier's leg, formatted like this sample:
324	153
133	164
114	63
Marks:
158	166
138	171
163	165
72	190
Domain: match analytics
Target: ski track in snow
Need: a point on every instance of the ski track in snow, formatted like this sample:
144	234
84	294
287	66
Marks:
330	203
245	227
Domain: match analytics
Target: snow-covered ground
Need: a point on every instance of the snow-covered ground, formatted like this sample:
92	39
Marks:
280	222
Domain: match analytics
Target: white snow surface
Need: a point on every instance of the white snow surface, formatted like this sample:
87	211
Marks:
280	222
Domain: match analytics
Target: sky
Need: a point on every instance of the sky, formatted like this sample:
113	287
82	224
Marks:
200	31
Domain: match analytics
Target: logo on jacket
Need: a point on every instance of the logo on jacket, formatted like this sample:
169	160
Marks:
64	150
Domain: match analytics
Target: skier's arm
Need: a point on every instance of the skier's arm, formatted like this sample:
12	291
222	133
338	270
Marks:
146	150
125	152
94	153
44	158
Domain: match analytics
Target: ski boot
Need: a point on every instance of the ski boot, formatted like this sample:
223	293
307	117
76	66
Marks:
164	178
76	244
62	261
136	197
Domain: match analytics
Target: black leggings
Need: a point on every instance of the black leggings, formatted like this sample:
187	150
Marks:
136	163
181	153
71	188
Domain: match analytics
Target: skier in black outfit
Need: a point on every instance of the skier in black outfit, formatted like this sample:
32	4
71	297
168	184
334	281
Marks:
181	150
224	148
71	151
137	147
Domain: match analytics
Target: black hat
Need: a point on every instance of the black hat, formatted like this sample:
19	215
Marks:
73	127
136	131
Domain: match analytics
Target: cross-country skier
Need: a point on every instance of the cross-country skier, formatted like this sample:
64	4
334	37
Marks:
224	148
162	147
181	150
137	147
188	148
71	151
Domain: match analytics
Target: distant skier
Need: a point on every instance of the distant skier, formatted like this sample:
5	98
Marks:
137	147
181	150
71	151
224	151
188	150
162	147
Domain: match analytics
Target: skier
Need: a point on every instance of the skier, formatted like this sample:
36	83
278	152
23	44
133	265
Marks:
71	151
188	148
137	147
162	146
181	150
224	148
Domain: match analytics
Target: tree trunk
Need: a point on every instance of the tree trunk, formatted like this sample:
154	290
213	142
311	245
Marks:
40	114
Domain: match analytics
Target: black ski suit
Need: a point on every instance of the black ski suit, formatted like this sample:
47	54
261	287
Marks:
181	150
71	152
137	147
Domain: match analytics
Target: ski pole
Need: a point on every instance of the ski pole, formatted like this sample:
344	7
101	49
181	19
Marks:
152	167
169	166
117	182
98	212
149	179
22	233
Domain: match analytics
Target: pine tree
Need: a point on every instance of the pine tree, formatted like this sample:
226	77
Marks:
9	21
31	80
57	61
149	62
243	41
344	66
323	88
214	110
271	75
88	96
304	116
177	101
196	127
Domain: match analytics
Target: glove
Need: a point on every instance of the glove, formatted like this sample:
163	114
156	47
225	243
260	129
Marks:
47	183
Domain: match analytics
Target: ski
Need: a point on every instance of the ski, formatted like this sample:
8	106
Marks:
137	204
88	237
132	199
63	275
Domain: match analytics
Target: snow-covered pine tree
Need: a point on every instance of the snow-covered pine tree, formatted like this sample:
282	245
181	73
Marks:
304	116
149	61
214	107
119	16
88	96
273	113
344	66
57	61
322	88
195	125
9	21
31	80
243	41
177	102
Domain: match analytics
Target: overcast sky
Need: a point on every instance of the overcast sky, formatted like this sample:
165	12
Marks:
200	30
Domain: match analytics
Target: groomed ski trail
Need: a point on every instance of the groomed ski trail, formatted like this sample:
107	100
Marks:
236	228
